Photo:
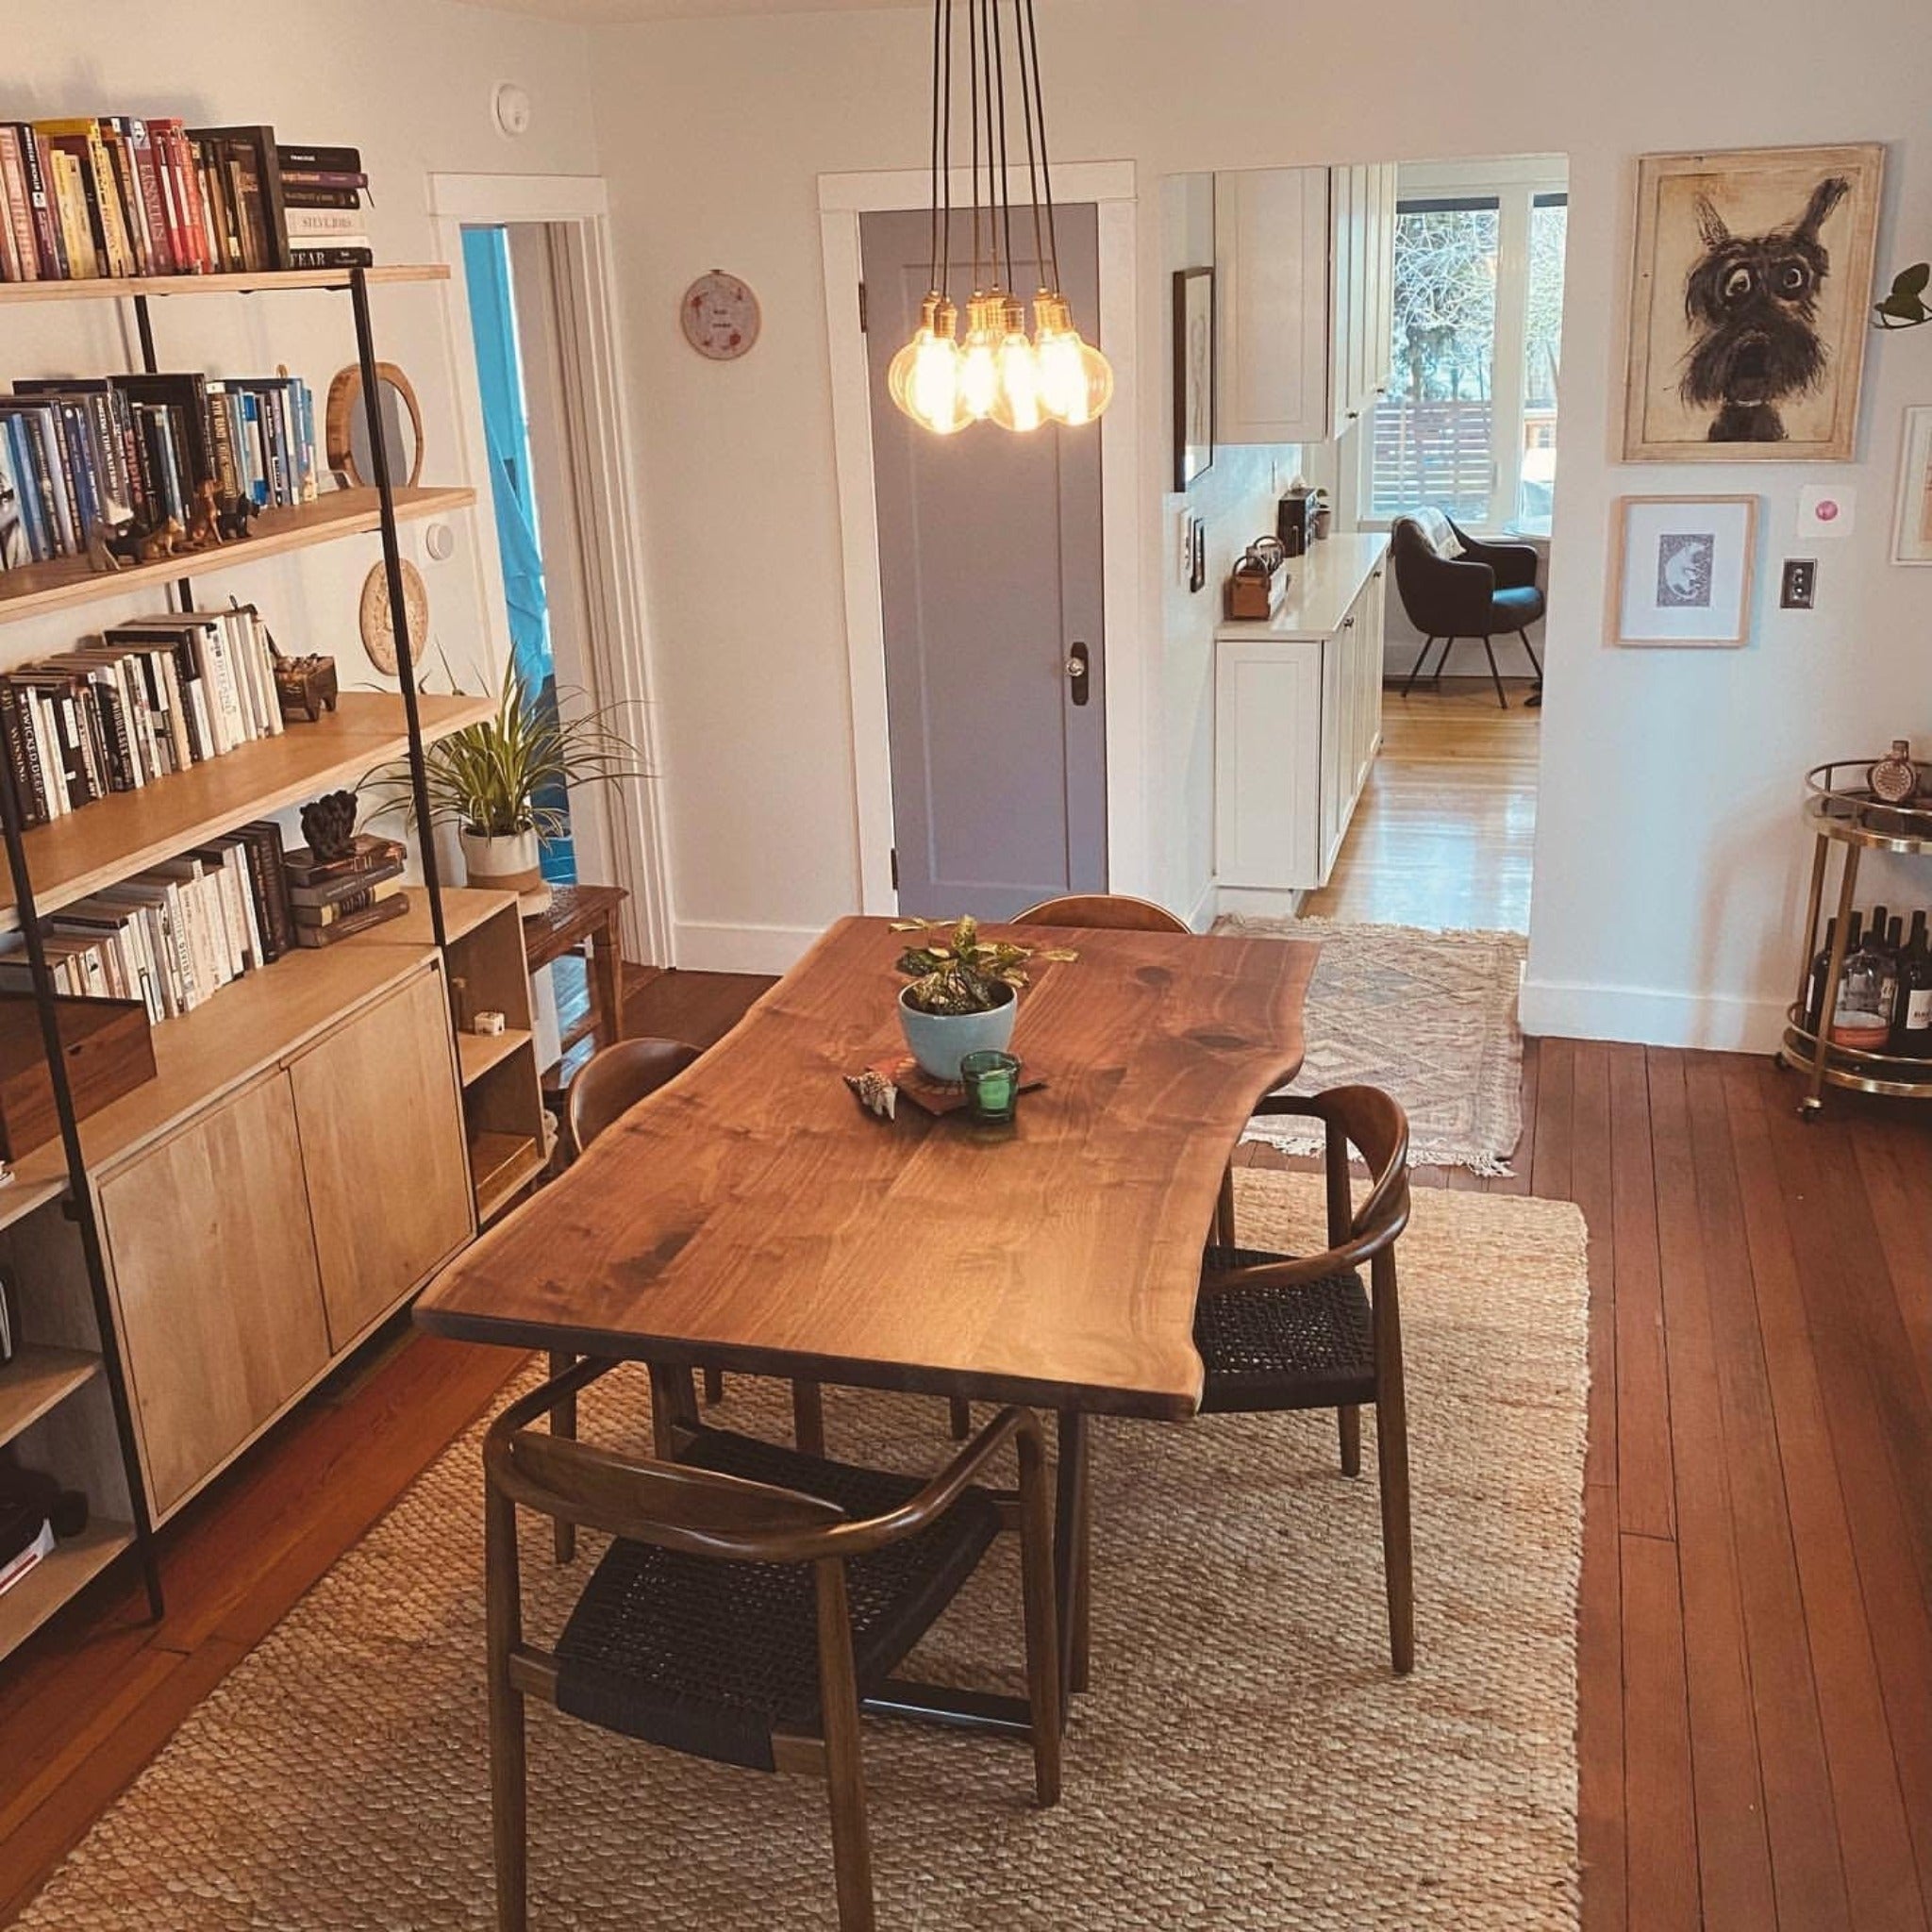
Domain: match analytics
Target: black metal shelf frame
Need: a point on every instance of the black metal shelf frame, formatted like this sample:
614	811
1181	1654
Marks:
79	1203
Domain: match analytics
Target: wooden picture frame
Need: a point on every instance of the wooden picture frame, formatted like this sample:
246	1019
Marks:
1912	531
1750	299
1682	570
343	414
1193	375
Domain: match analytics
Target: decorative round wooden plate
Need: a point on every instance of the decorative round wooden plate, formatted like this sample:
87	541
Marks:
378	630
721	316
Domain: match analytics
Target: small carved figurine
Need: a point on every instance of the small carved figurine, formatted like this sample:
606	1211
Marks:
100	555
204	524
164	542
234	520
328	823
305	686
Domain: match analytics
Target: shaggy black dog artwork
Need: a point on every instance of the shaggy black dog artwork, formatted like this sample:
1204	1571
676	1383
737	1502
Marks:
1752	304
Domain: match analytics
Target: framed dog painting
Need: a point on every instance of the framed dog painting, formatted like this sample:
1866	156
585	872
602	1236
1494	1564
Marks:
1748	307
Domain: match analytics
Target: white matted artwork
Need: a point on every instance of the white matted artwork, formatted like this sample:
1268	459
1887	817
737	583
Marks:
1682	569
1911	540
1748	307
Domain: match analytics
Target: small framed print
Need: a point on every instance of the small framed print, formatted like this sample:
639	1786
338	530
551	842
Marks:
1912	537
1193	374
1682	570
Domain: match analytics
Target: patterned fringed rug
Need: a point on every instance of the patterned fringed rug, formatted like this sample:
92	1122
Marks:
1429	1017
1245	1759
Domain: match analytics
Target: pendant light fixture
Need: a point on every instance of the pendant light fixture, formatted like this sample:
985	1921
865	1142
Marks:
997	373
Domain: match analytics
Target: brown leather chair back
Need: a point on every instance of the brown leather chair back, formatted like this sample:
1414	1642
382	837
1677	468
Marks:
1104	911
614	1081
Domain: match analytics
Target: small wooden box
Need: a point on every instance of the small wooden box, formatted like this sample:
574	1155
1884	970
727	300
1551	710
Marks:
1257	585
109	1051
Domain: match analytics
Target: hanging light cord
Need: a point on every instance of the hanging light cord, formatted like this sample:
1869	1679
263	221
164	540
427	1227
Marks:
999	68
1032	154
944	93
1053	240
972	89
932	253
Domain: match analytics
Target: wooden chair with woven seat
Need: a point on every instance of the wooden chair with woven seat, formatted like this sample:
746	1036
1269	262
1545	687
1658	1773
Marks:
1276	1332
753	1599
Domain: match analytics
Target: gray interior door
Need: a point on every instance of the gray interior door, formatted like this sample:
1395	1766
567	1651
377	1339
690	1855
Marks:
989	563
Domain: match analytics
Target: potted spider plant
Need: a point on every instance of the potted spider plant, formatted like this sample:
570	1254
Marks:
964	995
489	781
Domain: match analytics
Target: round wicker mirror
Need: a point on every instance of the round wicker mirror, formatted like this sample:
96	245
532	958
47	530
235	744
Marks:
345	428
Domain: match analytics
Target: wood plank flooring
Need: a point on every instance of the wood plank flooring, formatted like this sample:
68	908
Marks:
1754	1631
1445	831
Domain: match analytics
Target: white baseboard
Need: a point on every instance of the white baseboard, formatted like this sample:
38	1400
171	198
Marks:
1260	902
741	948
1719	1023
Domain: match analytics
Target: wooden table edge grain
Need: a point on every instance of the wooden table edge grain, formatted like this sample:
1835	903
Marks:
1155	1047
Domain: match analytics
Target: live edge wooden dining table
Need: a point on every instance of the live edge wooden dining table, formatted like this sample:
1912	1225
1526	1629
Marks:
752	1216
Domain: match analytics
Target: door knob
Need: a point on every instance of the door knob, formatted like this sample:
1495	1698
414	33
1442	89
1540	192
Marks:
1076	669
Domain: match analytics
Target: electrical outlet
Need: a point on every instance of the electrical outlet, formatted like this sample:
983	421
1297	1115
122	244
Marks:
1798	586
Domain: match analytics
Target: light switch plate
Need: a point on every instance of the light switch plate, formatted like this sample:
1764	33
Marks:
1798	584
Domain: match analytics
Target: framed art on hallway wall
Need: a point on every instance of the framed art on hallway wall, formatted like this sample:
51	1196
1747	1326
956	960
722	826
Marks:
1681	569
1193	374
1912	535
1749	296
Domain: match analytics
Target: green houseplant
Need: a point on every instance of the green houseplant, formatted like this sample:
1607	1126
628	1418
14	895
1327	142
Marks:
964	995
497	783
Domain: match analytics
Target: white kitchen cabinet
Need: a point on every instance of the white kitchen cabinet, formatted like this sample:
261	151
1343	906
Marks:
1298	721
1304	286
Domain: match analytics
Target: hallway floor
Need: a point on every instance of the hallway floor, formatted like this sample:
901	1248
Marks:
1444	832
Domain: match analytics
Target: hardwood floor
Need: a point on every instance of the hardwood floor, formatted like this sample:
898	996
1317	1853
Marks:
1445	831
1755	1633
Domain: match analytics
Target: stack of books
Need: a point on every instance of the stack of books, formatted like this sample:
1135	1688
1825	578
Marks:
146	699
26	1541
322	202
335	898
74	451
174	935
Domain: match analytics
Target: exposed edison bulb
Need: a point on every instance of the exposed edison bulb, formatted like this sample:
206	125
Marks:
1076	379
1017	405
923	379
979	359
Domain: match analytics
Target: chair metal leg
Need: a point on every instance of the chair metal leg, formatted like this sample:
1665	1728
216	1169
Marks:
714	1387
845	1771
1443	662
509	1822
1535	697
563	1421
1495	676
961	1418
1415	669
1042	1639
1350	1423
809	1418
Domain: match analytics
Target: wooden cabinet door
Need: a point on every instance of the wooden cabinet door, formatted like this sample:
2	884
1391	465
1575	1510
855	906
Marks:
1273	373
216	1282
381	1121
1268	764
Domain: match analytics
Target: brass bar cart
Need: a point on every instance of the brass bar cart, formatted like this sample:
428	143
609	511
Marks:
1841	812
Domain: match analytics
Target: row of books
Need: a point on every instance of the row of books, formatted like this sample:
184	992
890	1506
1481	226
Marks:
78	451
172	935
118	196
146	699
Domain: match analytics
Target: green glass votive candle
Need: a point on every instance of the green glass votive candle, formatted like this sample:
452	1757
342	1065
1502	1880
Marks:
992	1085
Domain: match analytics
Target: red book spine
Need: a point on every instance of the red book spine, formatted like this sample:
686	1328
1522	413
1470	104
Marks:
173	196
34	155
160	237
193	213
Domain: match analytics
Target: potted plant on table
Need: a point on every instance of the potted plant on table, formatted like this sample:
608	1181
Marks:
965	993
499	783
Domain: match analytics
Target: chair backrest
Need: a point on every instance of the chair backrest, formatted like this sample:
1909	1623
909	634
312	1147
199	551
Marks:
1430	585
612	1081
1103	911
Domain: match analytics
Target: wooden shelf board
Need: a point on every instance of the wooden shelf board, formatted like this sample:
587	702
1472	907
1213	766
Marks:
59	1578
34	588
122	288
243	1030
35	1380
502	1164
18	1198
476	1053
118	835
464	909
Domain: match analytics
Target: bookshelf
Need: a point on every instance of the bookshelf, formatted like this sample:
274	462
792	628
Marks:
153	1354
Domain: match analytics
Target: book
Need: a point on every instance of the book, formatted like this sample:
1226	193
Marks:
22	1565
313	899
369	853
377	914
350	904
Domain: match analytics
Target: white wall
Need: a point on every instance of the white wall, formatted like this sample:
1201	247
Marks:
410	83
1670	858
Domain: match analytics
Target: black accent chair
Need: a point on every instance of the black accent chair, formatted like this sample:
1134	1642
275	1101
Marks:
1490	588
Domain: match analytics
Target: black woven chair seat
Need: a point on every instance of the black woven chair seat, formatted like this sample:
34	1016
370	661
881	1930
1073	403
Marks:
1310	1346
710	1657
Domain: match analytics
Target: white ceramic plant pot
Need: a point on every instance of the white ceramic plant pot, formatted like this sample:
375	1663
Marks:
939	1042
512	864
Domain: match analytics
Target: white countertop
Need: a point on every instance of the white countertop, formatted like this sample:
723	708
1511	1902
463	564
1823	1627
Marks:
1320	588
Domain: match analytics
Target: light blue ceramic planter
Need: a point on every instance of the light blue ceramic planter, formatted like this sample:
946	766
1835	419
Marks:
939	1042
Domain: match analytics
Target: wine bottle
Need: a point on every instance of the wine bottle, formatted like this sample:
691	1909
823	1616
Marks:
1911	1032
1889	950
1858	1020
1814	987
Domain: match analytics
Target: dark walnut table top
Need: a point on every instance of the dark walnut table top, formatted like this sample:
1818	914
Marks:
753	1215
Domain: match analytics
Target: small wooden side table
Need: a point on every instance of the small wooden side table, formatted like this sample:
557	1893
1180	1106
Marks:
583	916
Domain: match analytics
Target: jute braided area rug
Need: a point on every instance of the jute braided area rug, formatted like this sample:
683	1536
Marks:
1245	1759
1429	1017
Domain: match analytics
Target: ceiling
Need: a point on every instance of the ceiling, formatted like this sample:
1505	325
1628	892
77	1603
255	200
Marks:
611	10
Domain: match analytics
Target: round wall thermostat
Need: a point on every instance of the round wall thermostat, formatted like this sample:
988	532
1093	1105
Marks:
720	316
511	105
439	541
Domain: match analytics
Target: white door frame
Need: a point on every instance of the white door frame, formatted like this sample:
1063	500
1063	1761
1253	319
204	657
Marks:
576	209
842	199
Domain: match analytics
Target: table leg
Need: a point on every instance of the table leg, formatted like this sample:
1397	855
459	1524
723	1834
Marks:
563	1421
607	982
1070	1548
